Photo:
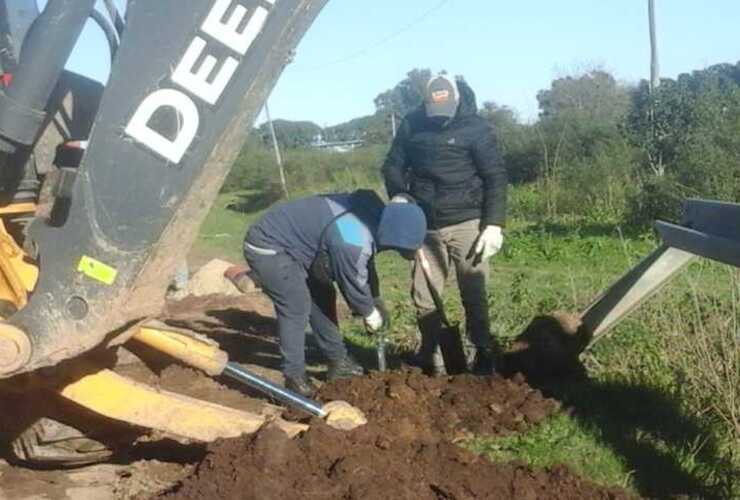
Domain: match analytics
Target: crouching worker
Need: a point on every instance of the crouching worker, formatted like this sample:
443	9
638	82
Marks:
299	249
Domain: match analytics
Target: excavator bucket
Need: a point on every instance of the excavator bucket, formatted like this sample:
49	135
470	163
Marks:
552	344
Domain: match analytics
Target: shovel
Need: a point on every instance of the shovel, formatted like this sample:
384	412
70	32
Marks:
450	341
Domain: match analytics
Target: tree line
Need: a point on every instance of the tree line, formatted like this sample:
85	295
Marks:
600	148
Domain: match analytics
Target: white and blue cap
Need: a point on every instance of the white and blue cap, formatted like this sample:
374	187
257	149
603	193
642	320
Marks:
442	97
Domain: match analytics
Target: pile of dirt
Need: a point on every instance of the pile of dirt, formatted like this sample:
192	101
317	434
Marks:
410	405
550	346
406	451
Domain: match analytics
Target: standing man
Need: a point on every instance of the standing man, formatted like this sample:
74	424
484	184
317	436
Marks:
445	158
299	249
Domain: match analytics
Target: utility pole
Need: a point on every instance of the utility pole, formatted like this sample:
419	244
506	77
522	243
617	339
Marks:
278	156
654	66
657	161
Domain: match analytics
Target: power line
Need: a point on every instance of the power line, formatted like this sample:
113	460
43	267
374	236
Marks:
382	41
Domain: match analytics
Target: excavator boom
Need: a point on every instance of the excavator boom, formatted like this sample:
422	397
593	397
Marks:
186	84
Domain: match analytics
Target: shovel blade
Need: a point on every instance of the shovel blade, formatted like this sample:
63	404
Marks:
453	354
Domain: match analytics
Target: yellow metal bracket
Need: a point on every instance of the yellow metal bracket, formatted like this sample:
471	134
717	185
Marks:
18	275
120	398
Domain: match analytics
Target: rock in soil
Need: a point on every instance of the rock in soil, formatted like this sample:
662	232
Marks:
406	451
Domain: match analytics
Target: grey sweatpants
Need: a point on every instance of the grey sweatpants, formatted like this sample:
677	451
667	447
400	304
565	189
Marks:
446	249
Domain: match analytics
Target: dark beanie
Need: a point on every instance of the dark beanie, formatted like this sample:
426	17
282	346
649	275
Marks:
402	226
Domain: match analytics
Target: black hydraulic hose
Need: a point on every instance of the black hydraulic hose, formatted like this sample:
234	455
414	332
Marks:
46	47
110	33
45	51
277	392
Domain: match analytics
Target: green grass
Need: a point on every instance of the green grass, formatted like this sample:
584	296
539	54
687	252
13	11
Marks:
223	231
635	421
559	440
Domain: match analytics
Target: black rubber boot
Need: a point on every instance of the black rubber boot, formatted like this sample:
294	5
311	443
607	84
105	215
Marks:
483	364
428	357
431	366
301	385
344	368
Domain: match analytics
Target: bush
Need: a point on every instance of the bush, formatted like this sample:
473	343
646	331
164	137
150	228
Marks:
599	186
306	171
657	198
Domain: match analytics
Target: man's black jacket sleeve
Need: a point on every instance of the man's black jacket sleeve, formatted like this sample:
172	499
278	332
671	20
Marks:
495	179
396	163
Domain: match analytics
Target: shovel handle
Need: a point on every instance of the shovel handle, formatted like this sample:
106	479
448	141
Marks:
436	297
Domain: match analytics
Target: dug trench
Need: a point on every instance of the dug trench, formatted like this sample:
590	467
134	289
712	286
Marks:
412	447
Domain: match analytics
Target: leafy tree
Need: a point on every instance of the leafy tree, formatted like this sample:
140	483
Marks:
580	118
406	95
664	122
595	96
291	134
517	143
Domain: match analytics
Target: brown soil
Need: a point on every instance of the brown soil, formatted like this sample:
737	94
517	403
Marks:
325	463
549	346
412	406
407	450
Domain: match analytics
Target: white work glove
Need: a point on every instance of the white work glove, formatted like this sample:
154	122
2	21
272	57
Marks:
374	322
490	241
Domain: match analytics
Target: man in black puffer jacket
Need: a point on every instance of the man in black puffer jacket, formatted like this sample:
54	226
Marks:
445	158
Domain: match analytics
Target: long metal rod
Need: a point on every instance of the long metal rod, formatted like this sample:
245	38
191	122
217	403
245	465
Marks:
380	349
279	393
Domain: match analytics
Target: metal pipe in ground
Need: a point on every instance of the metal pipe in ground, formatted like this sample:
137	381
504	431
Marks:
280	393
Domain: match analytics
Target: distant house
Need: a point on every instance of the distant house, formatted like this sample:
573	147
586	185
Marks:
335	146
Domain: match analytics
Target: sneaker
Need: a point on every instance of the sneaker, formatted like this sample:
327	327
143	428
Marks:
344	368
301	385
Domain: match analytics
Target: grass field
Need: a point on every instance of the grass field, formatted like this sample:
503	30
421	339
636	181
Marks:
660	410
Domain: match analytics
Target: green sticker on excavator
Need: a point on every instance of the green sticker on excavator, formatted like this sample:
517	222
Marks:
97	270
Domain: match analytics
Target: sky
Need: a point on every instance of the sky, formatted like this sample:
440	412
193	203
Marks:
507	50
